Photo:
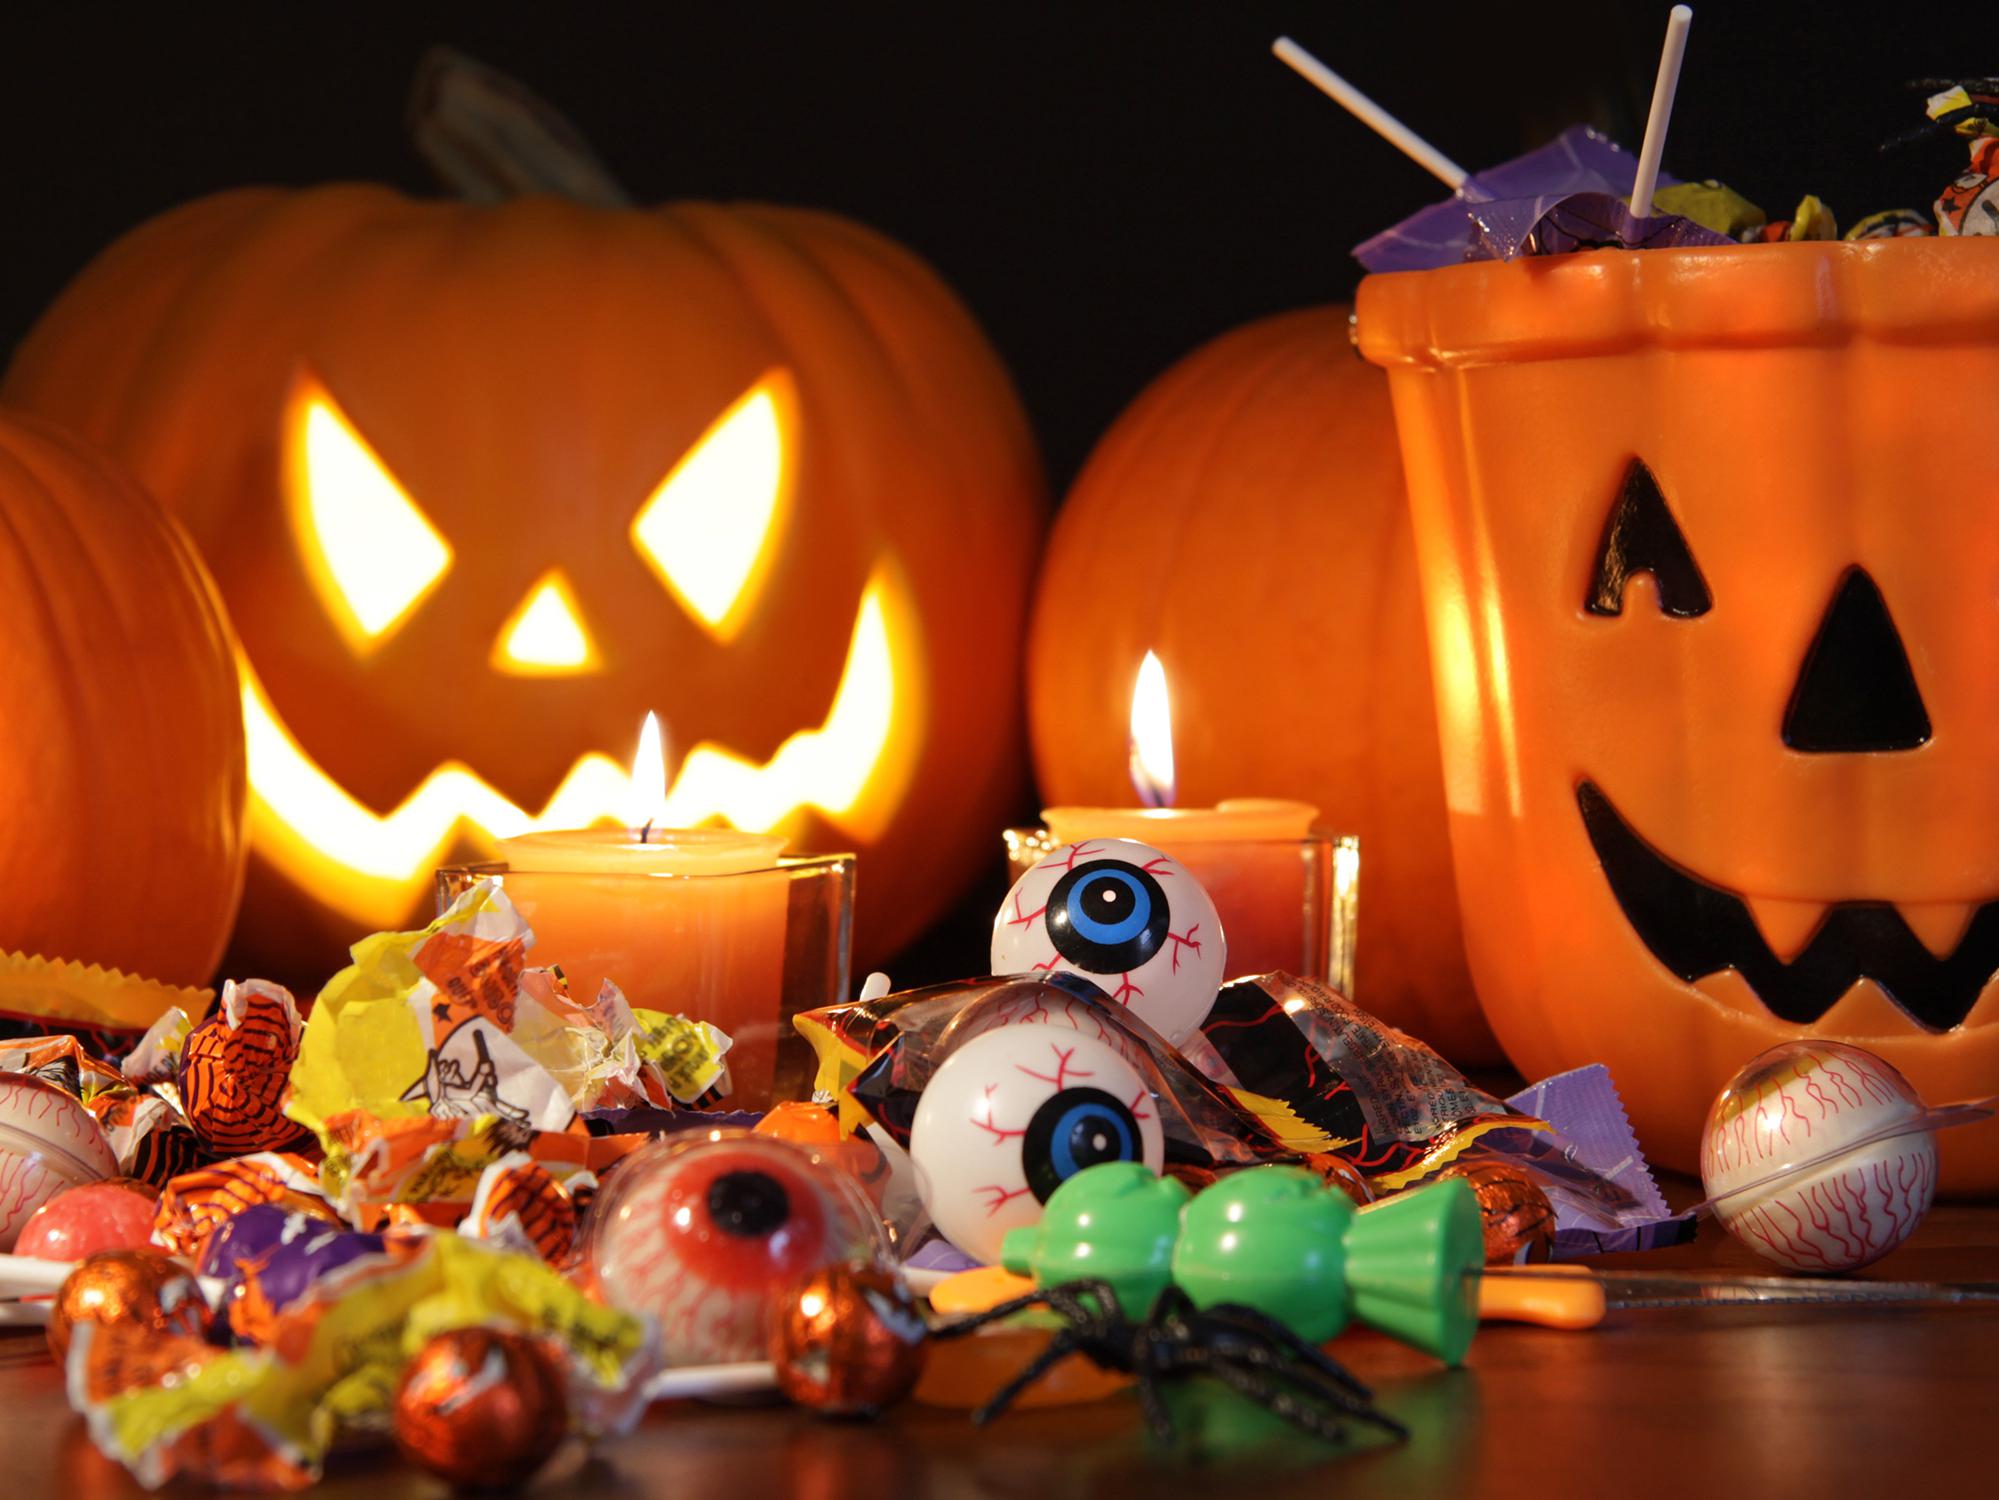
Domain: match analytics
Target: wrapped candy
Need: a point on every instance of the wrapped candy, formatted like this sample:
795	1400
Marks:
1712	205
481	1407
450	1024
846	1339
420	1024
1892	224
196	1204
145	1131
697	1233
1970	205
1401	1114
139	1287
334	1359
1566	195
234	1068
1518	1221
520	1205
372	1163
267	1257
1283	1070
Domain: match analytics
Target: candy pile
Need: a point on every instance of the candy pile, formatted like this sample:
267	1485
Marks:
455	1209
1573	194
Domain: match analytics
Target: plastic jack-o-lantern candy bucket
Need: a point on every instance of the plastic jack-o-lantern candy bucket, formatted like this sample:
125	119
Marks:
1712	583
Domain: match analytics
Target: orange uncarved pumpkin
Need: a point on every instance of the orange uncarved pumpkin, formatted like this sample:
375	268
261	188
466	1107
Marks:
523	378
1245	519
121	751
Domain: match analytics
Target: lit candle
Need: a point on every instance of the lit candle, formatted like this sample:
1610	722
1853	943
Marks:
1285	894
689	921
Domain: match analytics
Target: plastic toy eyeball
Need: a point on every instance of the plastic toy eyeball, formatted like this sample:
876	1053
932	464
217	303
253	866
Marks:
1819	1157
48	1142
698	1233
1128	916
1012	1115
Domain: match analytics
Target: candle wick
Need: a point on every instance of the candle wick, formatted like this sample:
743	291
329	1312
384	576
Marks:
645	833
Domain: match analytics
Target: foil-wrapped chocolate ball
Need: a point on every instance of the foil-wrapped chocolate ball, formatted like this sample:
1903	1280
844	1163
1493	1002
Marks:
481	1407
144	1287
846	1339
1519	1223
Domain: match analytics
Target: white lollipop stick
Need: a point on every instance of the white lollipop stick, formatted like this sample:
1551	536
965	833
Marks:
875	986
1663	89
712	1380
25	1314
1372	115
29	1276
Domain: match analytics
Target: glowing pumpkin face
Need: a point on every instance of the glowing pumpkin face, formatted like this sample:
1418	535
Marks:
1712	606
482	486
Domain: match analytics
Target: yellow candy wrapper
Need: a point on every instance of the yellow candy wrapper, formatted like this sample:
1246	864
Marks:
420	1022
685	1056
265	1418
372	1162
450	1023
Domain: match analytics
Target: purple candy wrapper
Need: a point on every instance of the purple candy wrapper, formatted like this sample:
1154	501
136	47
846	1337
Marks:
1584	1108
268	1258
1566	195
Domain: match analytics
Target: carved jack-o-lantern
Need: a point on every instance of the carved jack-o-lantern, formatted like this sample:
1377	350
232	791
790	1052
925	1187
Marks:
1713	593
482	485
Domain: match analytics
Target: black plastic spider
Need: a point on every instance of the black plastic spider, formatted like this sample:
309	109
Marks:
1251	1353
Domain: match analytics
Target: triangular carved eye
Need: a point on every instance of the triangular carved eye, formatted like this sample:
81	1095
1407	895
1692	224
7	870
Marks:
1641	536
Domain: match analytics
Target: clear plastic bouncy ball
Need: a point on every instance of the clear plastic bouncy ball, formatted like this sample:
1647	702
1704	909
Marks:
1820	1157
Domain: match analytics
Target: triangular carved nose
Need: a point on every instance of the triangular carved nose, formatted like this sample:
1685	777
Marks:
1856	690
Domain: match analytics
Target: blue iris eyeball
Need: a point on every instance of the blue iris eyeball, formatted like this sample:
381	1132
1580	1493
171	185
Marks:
1128	916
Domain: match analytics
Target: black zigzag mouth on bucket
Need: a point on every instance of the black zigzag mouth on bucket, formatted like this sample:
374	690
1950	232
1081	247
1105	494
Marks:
1697	928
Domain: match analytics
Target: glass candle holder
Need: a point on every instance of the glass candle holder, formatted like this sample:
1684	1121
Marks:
1288	904
745	950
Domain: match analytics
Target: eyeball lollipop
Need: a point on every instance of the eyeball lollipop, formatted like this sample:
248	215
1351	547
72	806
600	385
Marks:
1820	1157
1127	916
698	1233
1013	1114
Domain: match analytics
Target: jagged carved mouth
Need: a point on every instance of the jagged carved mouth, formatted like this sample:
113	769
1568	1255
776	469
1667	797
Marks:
1697	928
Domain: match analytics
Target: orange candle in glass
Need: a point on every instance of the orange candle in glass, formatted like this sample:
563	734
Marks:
688	921
1285	894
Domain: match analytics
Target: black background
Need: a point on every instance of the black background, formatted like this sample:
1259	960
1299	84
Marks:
1108	183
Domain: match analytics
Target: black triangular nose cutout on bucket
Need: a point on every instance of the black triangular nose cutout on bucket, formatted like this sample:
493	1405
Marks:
1856	691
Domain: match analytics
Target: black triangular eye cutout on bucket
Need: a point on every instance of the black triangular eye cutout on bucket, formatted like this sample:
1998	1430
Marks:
1641	536
1856	690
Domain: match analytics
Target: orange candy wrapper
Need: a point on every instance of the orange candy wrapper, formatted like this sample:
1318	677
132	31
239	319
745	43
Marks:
196	1204
235	1067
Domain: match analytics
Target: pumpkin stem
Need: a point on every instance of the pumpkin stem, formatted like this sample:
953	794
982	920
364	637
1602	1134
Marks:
490	139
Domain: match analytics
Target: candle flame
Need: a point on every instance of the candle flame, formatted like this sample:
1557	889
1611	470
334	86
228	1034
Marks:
647	804
1152	735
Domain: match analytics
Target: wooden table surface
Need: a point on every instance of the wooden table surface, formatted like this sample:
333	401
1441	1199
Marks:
1777	1402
